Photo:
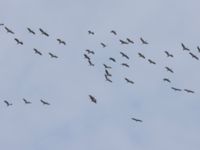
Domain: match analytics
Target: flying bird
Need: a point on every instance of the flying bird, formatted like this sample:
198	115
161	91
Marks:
103	45
90	32
93	99
44	102
129	81
86	56
61	41
176	89
143	41
198	48
90	51
141	55
168	54
194	56
124	55
123	42
7	103
53	56
26	102
107	67
126	65
31	31
37	52
137	120
129	40
43	32
107	79
8	30
107	73
112	59
18	41
90	63
151	61
167	80
113	32
188	91
169	69
184	47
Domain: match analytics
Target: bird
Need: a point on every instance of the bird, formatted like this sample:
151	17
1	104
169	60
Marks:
26	102
123	42
90	32
44	102
107	73
18	41
112	59
188	91
37	52
61	41
143	41
43	32
90	63
86	56
176	89
129	81
169	69
129	40
7	103
141	55
124	55
90	51
198	48
93	99
137	120
113	32
184	47
168	54
151	61
194	56
31	31
8	30
107	67
107	79
167	80
103	45
52	55
126	65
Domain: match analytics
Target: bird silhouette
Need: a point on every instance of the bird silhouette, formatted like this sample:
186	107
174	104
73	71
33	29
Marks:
184	47
18	41
103	45
44	102
86	57
141	55
189	91
194	56
9	30
107	79
43	32
61	41
7	103
26	102
176	89
31	31
93	99
123	42
37	52
167	80
143	41
151	61
129	40
107	67
107	73
90	32
52	55
168	54
113	32
198	48
126	65
129	81
90	63
137	120
90	51
169	69
112	59
124	55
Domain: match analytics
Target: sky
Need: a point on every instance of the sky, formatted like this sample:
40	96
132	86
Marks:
72	121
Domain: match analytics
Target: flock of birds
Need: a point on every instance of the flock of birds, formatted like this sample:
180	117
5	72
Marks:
108	76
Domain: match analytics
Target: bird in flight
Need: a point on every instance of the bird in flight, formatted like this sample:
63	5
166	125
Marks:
126	65
151	61
90	32
7	103
124	55
188	91
176	89
18	41
168	54
9	30
184	47
137	120
129	40
86	57
107	67
107	79
43	32
123	42
194	56
93	99
61	41
26	102
37	52
167	80
103	45
169	69
113	32
198	48
112	59
90	51
90	63
52	55
31	31
107	73
141	55
129	81
143	41
44	102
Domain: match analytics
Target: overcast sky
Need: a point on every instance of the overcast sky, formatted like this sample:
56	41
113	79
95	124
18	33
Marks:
72	121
